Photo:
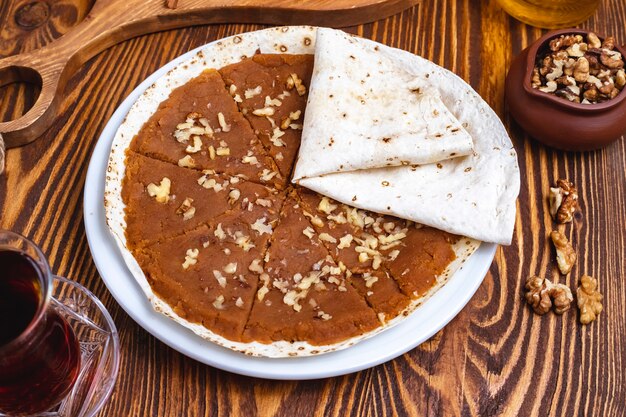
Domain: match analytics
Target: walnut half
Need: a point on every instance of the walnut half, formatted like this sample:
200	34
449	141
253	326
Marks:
589	299
563	201
538	294
565	255
561	297
542	294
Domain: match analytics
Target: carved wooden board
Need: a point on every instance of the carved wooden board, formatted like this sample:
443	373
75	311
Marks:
110	22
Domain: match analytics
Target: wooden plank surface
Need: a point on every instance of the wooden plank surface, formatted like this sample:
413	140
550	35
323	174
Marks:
495	358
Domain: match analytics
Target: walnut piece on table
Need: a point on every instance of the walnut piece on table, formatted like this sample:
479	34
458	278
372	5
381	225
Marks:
589	299
563	200
565	254
538	294
542	294
562	298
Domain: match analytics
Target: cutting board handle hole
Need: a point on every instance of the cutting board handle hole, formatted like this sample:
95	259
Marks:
19	90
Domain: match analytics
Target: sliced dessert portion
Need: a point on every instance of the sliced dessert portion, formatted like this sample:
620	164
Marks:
271	91
303	294
412	254
163	200
341	236
201	278
199	126
209	276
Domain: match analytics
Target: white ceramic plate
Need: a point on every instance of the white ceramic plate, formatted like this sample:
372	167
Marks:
429	318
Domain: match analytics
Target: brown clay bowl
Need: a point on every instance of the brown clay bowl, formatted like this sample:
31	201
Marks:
555	121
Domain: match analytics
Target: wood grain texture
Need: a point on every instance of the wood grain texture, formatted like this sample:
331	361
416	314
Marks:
495	358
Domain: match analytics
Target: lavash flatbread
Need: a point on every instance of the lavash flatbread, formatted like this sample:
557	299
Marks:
470	196
297	40
363	112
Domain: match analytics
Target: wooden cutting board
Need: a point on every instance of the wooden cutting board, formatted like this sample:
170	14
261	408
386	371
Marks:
112	21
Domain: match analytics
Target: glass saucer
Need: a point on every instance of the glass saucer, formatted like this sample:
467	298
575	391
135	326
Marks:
99	346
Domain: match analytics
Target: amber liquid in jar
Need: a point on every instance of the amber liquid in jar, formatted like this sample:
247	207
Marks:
39	363
550	14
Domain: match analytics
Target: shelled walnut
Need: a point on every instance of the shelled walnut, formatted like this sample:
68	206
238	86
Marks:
589	299
538	294
561	298
563	200
542	294
565	254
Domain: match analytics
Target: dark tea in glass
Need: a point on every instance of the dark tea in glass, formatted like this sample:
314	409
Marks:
39	352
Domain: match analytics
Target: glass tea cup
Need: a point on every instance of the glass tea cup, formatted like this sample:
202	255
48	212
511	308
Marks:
39	353
59	348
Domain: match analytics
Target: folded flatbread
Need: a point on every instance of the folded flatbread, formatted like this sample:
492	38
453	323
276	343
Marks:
472	195
365	111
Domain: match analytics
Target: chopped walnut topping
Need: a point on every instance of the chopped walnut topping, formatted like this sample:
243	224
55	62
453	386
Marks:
326	206
263	202
160	192
239	302
267	175
252	92
231	268
222	121
363	257
345	241
354	217
295	115
272	102
196	147
244	243
255	266
376	262
260	226
186	162
338	218
589	299
308	232
294	81
565	255
220	278
265	279
563	201
250	159
222	151
327	238
194	126
219	302
276	138
191	258
538	294
385	240
393	254
219	232
186	209
264	112
317	222
370	279
324	316
292	299
233	196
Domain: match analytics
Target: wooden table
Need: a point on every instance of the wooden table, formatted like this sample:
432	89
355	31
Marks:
495	358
